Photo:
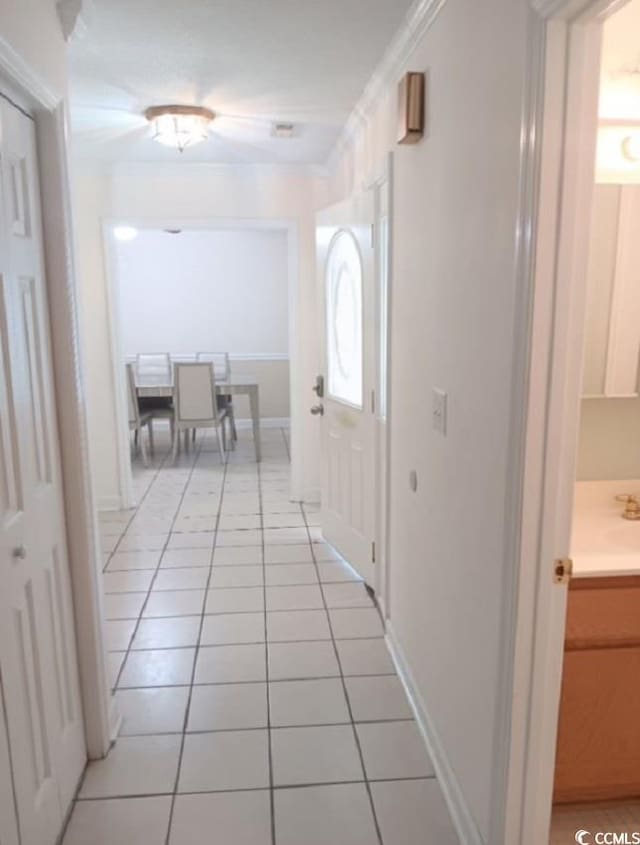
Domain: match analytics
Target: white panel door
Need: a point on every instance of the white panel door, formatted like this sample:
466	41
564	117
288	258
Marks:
8	818
344	242
37	642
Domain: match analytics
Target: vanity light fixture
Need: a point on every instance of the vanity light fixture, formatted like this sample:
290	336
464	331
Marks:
179	126
631	147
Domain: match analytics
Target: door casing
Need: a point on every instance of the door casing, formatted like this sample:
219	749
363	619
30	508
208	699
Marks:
556	185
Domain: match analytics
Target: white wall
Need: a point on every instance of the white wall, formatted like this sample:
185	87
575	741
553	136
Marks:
609	445
163	193
455	200
204	290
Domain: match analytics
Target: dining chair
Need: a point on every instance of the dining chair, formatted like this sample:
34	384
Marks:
153	367
195	403
222	367
138	419
220	361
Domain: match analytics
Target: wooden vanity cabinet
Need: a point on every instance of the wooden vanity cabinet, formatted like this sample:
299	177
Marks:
598	753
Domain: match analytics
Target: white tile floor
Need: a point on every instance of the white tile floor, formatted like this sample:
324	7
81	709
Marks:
259	703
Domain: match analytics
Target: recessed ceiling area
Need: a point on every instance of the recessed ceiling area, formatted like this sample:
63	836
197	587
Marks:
253	62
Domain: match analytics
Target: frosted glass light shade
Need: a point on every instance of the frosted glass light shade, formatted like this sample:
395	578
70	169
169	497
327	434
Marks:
179	126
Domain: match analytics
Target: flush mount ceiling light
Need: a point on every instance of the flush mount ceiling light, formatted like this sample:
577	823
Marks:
179	126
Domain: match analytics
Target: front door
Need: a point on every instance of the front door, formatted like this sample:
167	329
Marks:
38	664
344	241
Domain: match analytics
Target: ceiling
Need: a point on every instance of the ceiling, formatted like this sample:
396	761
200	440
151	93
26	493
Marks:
251	61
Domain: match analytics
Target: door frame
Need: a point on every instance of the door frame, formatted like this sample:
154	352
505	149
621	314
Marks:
557	177
50	115
382	183
295	352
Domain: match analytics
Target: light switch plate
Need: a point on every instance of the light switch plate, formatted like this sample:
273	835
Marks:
439	411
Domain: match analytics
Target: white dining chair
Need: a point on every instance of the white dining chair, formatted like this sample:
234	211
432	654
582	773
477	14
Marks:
153	367
222	367
195	403
138	419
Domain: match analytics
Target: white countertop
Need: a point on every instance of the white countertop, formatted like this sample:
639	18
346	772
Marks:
602	542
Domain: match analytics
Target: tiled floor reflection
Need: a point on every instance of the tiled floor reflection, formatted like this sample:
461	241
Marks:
259	703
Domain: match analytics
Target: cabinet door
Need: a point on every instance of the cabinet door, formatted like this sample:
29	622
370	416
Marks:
598	756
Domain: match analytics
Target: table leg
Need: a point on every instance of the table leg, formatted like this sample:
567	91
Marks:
254	403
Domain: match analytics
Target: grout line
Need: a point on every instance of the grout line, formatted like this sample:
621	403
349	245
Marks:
197	647
346	695
138	795
262	681
261	728
272	808
134	511
155	575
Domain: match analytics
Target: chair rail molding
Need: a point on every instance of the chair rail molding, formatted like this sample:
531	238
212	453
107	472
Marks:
258	356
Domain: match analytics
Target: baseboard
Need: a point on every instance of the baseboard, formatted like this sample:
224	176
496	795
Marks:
115	719
463	821
109	503
311	496
265	422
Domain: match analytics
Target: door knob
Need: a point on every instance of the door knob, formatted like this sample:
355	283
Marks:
19	553
317	409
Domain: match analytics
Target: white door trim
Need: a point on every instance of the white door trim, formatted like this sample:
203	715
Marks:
82	535
382	181
296	348
556	187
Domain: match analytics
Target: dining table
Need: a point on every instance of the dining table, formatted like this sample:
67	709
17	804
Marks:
149	386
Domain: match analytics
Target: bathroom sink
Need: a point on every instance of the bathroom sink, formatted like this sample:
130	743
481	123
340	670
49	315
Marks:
602	541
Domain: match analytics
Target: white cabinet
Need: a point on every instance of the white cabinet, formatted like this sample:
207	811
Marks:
612	343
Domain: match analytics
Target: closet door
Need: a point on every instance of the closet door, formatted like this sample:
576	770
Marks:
8	818
37	642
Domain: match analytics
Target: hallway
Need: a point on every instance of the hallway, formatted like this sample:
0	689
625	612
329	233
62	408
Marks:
259	703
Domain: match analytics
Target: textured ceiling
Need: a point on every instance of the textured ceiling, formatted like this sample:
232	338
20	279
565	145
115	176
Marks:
251	61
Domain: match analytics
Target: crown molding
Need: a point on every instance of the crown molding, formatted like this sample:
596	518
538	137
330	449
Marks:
22	74
417	22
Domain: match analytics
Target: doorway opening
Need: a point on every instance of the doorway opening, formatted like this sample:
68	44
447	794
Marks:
353	241
598	743
186	292
582	744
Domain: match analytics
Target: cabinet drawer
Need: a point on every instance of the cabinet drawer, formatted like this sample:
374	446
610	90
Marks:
603	612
